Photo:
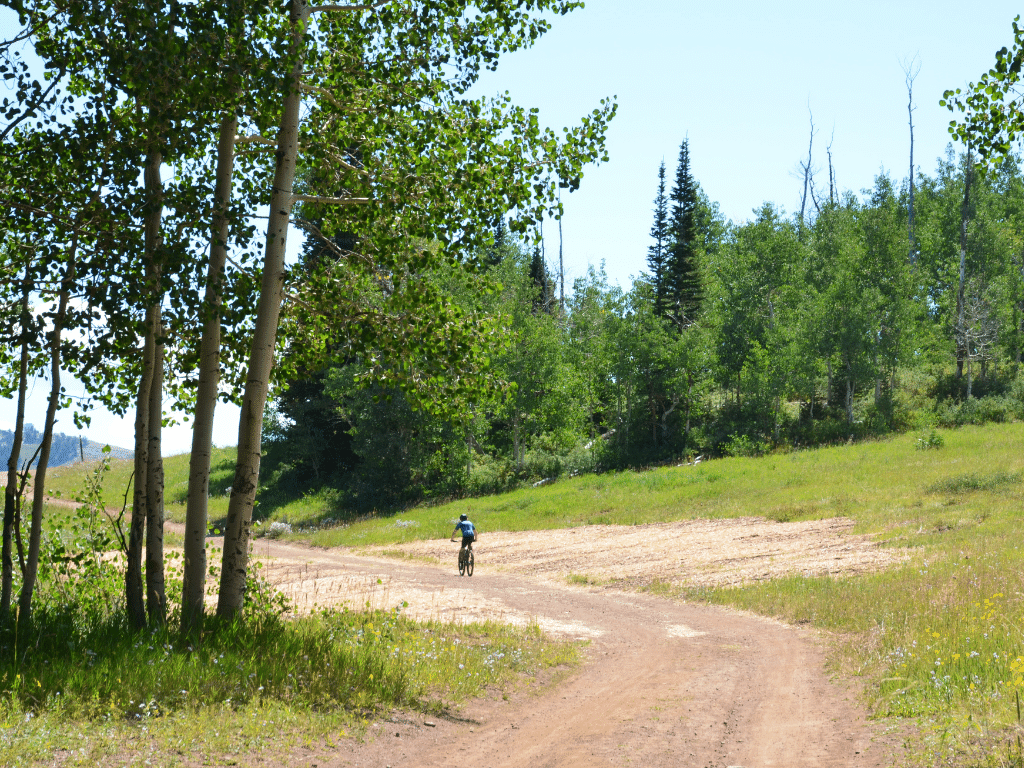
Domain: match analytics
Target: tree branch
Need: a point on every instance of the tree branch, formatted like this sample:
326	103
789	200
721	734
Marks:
331	200
31	110
255	140
310	228
365	7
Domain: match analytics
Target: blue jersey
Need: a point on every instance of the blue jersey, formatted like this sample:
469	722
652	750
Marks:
466	527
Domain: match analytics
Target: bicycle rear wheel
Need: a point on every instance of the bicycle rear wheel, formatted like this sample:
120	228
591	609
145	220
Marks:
469	564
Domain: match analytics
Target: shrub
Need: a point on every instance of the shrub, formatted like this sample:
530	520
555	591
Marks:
978	411
928	441
742	445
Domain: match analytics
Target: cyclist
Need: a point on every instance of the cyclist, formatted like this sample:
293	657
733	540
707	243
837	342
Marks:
468	532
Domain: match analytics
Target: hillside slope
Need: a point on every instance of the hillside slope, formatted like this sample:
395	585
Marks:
66	449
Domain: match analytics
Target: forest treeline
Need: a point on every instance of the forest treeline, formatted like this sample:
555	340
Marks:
783	331
156	158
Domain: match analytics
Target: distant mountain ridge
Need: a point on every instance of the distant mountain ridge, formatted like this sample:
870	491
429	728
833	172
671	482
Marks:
66	449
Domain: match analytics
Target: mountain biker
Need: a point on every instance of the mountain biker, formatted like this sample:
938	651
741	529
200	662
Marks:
468	532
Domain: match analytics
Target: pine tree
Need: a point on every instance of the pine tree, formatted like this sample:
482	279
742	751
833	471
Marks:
657	252
497	252
542	281
682	275
500	232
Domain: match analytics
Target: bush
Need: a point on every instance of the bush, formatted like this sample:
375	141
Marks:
541	464
929	440
978	411
742	445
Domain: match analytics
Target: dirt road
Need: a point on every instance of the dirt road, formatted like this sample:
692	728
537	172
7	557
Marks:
664	684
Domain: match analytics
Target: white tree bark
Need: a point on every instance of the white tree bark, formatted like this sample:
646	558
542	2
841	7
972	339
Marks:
196	513
39	481
237	532
156	598
11	500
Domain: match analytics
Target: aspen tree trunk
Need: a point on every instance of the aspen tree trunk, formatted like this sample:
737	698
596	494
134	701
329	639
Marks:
878	380
11	490
237	532
196	514
828	385
39	481
1017	325
849	393
517	447
134	594
652	408
561	263
960	298
689	395
156	598
629	412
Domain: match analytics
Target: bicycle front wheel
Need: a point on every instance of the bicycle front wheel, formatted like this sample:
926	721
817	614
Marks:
469	564
462	562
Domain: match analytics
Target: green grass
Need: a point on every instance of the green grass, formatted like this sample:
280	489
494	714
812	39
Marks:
308	676
906	496
940	639
67	481
77	685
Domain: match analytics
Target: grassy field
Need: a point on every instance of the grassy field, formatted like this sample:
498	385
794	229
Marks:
940	639
67	481
970	486
262	689
78	687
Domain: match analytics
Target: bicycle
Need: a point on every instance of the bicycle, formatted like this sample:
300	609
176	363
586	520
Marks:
465	562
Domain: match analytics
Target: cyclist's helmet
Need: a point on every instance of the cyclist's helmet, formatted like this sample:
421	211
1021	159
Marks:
463	517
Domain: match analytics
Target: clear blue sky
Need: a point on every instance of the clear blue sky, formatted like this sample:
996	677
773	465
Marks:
737	77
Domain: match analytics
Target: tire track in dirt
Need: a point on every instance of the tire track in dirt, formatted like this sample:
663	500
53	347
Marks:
664	684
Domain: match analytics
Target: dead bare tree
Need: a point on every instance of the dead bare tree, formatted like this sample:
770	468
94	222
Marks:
807	170
977	329
911	69
831	170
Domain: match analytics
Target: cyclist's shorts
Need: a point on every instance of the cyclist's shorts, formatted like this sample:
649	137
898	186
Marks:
467	540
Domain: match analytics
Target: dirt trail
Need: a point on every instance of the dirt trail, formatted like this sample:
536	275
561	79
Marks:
665	683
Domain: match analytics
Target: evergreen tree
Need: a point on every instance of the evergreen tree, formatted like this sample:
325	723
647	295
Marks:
500	233
682	275
542	281
497	252
658	252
